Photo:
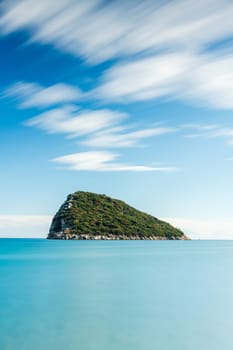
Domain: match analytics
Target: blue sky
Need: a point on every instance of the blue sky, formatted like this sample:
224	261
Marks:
130	99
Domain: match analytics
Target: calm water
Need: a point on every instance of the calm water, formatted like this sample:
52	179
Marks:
67	295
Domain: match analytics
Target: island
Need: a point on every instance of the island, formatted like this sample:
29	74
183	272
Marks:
91	216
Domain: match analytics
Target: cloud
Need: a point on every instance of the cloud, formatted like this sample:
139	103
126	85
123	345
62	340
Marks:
205	79
199	127
204	229
209	131
104	126
211	81
115	138
28	226
34	95
166	49
142	79
72	122
101	30
101	161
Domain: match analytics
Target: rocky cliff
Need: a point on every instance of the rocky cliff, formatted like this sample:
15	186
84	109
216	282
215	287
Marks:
86	215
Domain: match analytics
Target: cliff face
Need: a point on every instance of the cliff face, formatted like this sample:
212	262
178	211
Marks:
86	215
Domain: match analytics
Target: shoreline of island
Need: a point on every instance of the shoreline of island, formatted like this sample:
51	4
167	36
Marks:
111	237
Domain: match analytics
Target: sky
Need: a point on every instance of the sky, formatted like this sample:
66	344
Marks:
133	99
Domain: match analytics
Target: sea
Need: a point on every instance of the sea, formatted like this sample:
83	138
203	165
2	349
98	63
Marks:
116	295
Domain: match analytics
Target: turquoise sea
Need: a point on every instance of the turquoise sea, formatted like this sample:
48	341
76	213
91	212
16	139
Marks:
120	295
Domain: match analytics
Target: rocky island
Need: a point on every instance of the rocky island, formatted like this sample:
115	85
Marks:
91	216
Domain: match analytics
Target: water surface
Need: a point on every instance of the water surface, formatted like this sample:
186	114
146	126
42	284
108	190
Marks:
120	295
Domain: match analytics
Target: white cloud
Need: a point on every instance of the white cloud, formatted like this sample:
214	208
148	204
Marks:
99	30
210	83
34	95
115	138
72	122
101	161
199	127
175	34
104	126
28	226
204	229
209	131
201	78
142	79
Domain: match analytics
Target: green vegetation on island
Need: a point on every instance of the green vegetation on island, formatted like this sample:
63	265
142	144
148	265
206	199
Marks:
86	215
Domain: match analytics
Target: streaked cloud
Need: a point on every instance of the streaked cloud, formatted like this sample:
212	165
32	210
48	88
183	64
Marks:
209	131
118	138
199	127
210	82
31	95
101	161
147	78
163	48
204	228
204	79
100	30
73	122
28	226
102	128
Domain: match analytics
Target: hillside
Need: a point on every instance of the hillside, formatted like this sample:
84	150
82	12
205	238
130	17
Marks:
86	215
